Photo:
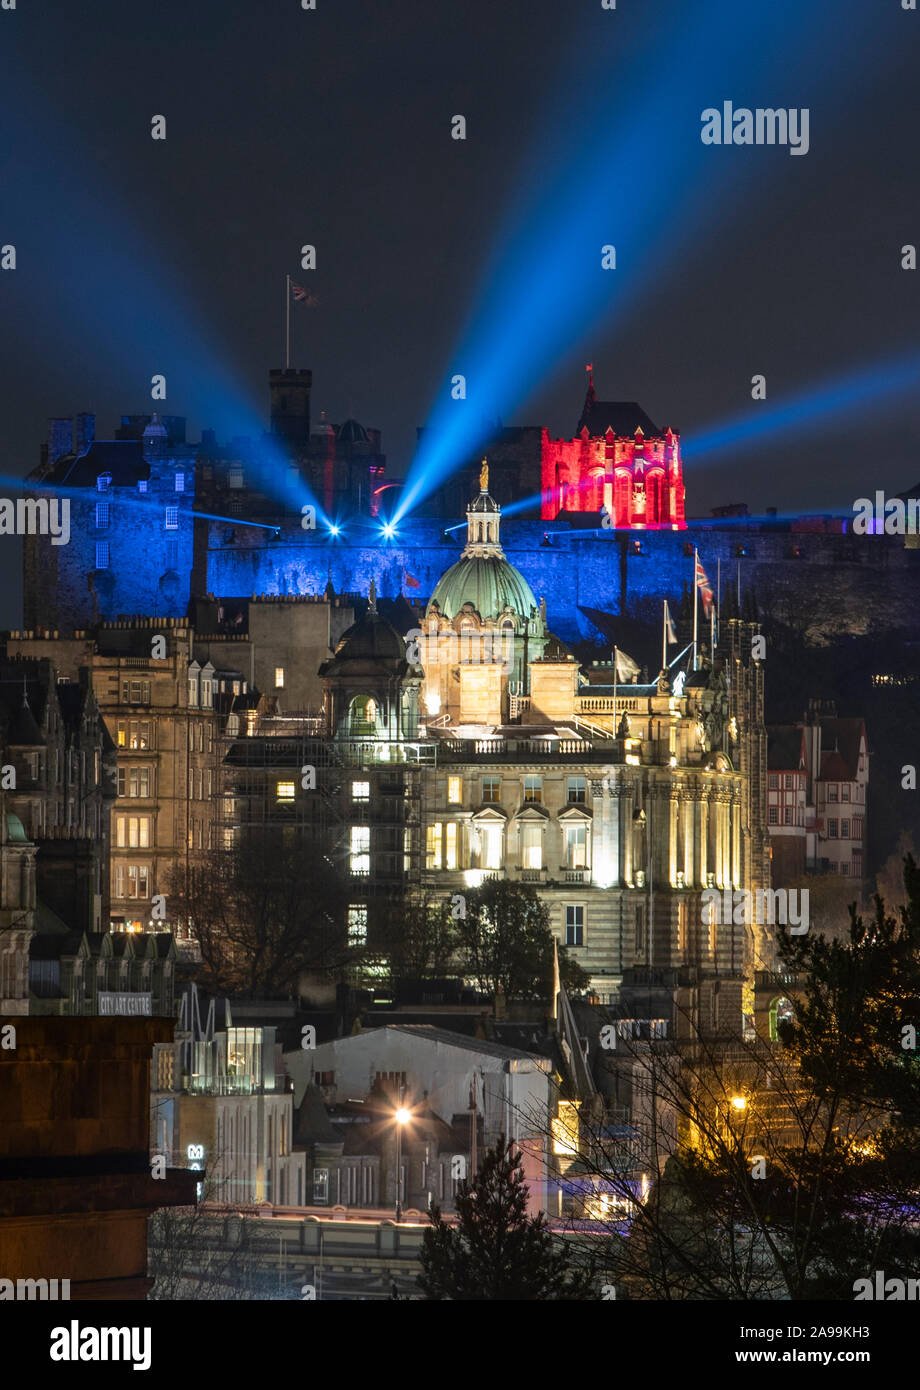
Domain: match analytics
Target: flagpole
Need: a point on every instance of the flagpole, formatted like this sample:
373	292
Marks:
614	690
695	602
664	634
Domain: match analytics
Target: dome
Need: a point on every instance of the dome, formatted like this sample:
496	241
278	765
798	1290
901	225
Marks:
353	433
371	639
488	582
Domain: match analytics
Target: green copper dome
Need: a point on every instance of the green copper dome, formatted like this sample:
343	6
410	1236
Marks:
482	577
490	584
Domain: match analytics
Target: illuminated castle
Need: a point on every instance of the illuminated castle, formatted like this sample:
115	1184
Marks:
619	462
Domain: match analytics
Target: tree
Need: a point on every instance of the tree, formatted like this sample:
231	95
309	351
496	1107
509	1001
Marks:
506	944
788	1168
497	1251
418	937
263	914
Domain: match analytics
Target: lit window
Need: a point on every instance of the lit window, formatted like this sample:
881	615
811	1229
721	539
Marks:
284	791
138	881
103	482
531	847
533	788
455	791
450	852
102	515
102	555
360	849
360	791
321	1186
142	485
565	1128
574	925
433	846
279	677
682	925
235	478
172	518
490	855
576	846
357	924
180	482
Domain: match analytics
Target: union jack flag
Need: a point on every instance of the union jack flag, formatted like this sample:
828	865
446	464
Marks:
303	296
704	586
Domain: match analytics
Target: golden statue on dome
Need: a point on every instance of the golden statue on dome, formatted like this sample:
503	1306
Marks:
484	476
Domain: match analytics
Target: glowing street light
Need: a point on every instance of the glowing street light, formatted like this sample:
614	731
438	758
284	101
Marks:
402	1116
739	1103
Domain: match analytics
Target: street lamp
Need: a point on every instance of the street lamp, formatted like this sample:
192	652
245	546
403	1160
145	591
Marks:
402	1117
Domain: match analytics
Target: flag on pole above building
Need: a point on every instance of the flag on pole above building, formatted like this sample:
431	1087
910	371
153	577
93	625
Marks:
704	586
303	296
669	624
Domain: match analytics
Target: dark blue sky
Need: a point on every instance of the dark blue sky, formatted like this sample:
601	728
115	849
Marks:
332	127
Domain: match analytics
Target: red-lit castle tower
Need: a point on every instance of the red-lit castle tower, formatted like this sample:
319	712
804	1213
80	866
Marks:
619	461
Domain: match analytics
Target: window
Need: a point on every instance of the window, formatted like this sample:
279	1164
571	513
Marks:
832	791
235	478
357	925
574	925
207	694
321	1186
832	829
774	781
774	816
279	677
133	734
284	791
102	515
531	847
787	816
433	846
138	884
193	691
844	830
360	849
857	828
172	518
576	791
135	693
103	482
491	789
682	925
533	789
790	781
490	854
180	482
132	832
844	791
102	555
360	791
640	930
455	791
134	781
576	846
142	485
451	860
845	868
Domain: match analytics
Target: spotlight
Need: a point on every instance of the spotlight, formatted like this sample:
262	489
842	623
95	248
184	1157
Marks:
275	533
333	530
389	530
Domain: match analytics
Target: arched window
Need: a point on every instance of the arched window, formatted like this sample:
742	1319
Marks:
362	716
781	1011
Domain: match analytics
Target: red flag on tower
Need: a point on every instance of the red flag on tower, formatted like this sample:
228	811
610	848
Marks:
411	581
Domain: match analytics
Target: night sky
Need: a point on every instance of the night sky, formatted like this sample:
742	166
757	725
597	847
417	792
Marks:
333	127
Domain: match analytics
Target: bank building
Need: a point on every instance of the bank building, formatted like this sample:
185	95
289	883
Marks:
475	747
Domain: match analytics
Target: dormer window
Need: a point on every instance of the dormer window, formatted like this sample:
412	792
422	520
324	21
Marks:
103	482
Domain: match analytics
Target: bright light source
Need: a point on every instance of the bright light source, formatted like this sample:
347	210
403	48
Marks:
389	531
739	1103
333	530
402	1117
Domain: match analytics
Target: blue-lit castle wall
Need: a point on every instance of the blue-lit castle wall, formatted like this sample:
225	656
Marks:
826	584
